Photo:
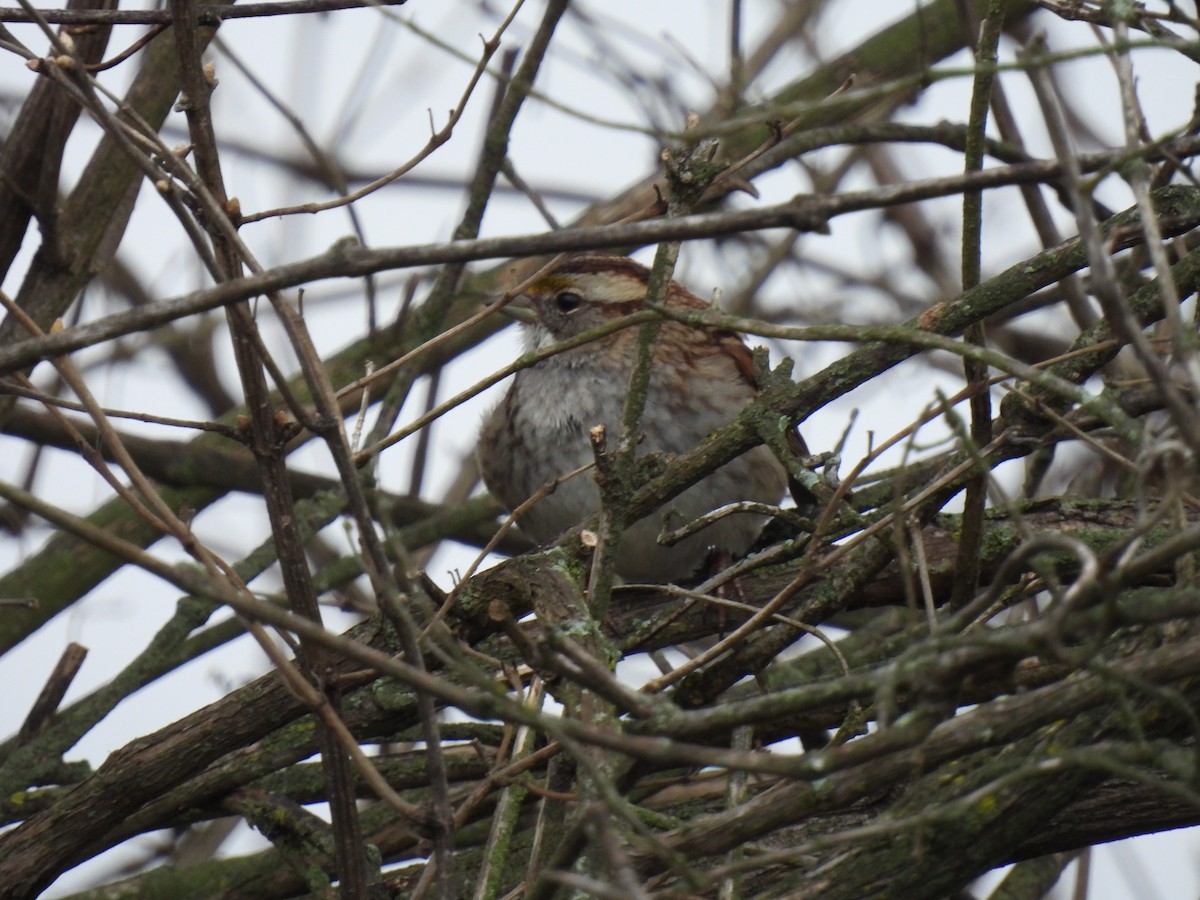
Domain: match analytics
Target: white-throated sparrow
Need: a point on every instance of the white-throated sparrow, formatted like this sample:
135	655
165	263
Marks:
699	381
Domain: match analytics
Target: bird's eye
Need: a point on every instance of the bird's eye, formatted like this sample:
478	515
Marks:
568	302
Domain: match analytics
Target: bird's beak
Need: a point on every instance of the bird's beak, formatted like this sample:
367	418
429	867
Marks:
519	308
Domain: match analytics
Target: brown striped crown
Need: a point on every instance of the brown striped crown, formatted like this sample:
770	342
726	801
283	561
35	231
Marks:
615	281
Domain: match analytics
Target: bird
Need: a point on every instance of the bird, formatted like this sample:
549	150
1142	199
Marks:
699	381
